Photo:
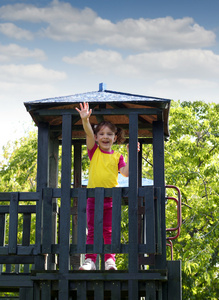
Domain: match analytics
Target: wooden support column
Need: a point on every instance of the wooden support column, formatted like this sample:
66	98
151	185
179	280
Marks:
65	204
42	182
53	183
75	259
133	204
159	182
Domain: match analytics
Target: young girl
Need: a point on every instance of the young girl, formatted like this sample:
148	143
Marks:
103	172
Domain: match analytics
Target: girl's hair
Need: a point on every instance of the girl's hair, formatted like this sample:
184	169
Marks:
118	131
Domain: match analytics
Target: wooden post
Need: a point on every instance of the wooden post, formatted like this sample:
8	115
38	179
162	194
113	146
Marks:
133	204
75	259
65	203
159	181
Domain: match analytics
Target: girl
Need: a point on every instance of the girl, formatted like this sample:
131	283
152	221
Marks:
103	172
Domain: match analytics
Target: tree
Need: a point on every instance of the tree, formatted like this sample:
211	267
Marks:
19	165
191	163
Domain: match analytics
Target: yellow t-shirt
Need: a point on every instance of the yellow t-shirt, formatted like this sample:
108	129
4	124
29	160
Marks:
104	167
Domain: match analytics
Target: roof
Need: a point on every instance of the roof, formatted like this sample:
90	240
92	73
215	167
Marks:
106	104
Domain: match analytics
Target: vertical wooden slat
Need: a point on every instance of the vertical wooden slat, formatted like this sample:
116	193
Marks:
64	260
53	183
46	290
65	193
42	182
159	181
150	219
2	235
42	157
116	220
82	221
133	204
47	220
75	258
63	289
116	291
26	235
26	294
99	290
150	290
13	223
82	290
158	221
98	220
174	280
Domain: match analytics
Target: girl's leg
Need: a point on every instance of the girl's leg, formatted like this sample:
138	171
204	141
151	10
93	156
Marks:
107	230
90	225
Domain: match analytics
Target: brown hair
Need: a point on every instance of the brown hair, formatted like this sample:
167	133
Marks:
119	132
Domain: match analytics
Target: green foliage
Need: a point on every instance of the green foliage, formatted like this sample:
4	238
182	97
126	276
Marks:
191	163
18	168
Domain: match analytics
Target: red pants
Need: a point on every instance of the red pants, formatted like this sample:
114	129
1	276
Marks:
107	225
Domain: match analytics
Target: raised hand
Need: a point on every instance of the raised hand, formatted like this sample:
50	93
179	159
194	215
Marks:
84	112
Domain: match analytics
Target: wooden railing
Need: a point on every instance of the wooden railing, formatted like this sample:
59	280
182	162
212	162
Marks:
30	232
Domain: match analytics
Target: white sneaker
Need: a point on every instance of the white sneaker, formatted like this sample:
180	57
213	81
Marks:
110	264
88	265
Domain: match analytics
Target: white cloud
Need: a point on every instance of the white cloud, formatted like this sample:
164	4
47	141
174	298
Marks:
180	63
12	31
30	74
66	23
15	52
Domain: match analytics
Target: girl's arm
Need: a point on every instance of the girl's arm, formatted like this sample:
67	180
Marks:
85	113
125	170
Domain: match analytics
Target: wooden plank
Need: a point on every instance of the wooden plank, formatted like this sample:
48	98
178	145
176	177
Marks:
42	158
65	194
46	290
98	220
26	236
82	290
174	280
22	209
2	229
150	219
116	290
63	289
116	220
13	223
47	220
133	194
99	290
11	259
158	221
123	111
151	290
159	181
26	294
133	290
42	182
82	221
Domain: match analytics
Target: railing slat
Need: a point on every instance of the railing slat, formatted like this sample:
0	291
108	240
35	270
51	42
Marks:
82	202
13	223
99	290
98	220
150	219
116	220
81	291
47	220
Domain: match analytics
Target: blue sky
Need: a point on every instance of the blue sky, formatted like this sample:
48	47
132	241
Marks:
158	48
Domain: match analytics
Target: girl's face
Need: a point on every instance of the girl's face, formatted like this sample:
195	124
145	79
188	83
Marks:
105	138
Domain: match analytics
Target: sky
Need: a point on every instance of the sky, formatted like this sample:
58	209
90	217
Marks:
167	49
